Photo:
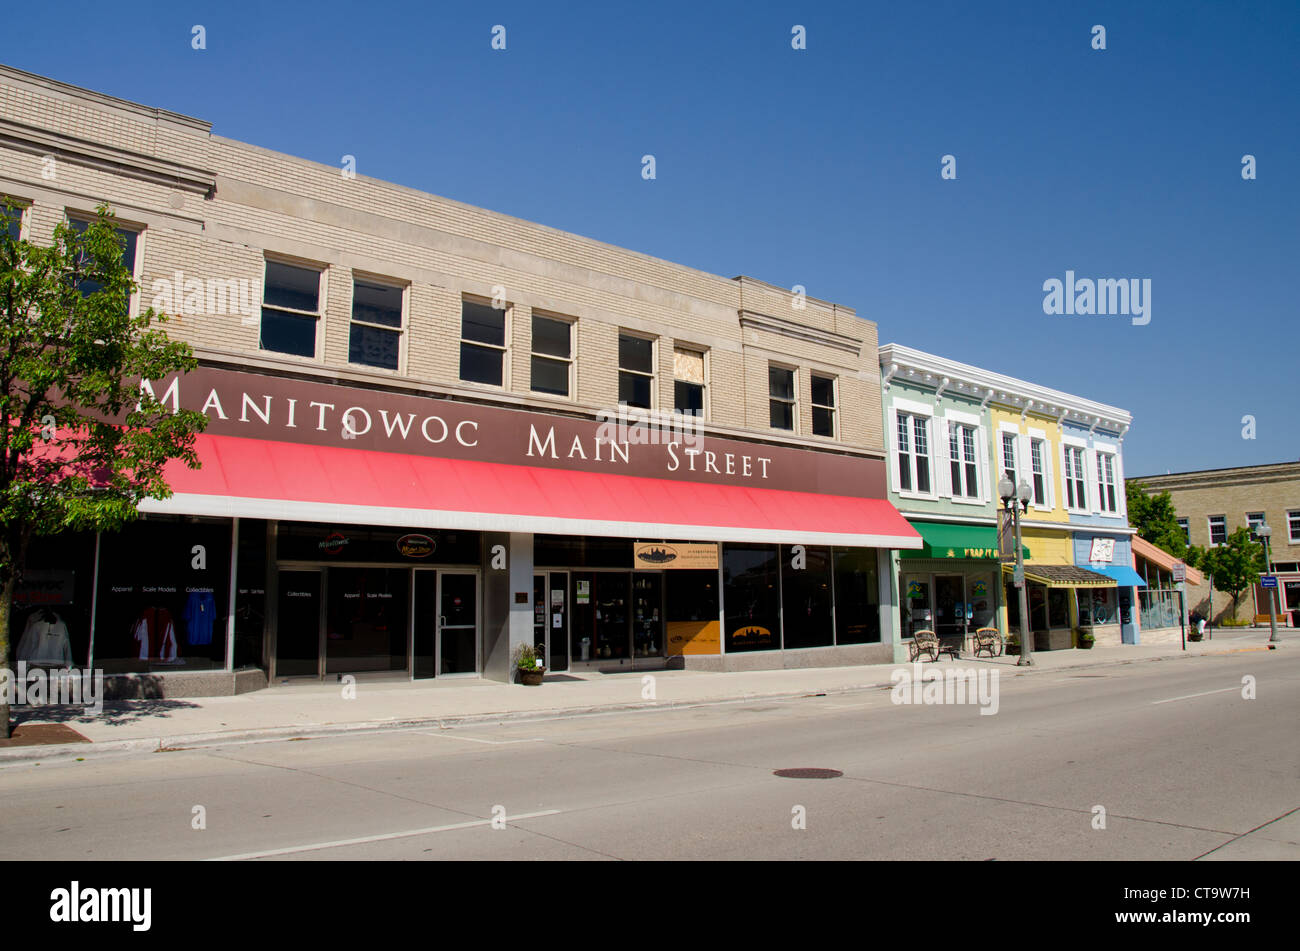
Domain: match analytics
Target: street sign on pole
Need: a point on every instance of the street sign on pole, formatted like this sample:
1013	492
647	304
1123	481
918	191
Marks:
1180	571
1268	581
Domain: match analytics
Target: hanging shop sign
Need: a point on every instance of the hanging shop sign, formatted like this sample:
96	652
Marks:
416	546
675	555
1102	551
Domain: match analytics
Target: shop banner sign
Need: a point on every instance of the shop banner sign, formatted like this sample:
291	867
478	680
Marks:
1102	552
675	555
1006	538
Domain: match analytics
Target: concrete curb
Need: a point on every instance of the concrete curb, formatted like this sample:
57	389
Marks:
178	741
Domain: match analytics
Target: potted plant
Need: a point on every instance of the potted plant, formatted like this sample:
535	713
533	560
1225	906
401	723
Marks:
1086	639
529	666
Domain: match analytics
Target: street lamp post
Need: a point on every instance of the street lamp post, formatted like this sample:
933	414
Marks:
1265	533
1014	499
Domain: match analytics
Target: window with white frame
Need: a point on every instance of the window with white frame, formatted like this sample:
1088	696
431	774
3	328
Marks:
482	343
823	405
129	238
1293	526
913	453
1106	482
1218	529
636	370
291	309
1253	521
961	460
552	359
1076	480
375	336
688	381
1186	526
1009	457
1036	464
782	408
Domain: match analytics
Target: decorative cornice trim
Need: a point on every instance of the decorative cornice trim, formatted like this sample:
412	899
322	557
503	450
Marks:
752	320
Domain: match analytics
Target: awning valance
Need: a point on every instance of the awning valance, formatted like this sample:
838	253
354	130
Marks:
946	540
1124	576
1064	576
257	478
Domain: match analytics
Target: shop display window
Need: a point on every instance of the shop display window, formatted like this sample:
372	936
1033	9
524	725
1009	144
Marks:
751	597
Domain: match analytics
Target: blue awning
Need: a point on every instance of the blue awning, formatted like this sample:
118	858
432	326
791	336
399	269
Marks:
1123	574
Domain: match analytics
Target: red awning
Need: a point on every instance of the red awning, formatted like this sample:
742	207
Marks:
254	478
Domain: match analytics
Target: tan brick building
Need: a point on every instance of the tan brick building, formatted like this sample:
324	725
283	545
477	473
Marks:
320	301
1213	503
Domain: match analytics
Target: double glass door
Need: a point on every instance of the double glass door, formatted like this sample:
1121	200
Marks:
347	619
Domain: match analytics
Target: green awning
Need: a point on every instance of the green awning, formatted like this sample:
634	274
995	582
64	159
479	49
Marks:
959	542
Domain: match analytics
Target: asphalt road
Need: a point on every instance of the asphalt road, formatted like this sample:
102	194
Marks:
1182	764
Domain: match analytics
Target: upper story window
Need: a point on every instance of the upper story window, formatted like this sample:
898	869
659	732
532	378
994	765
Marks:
1106	482
823	405
482	343
290	309
129	238
1186	526
961	457
1253	521
636	370
1218	529
376	334
11	217
913	453
780	397
552	358
1076	491
1009	457
688	381
1039	472
1293	526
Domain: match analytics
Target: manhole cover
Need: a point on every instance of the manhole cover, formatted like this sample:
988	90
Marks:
807	772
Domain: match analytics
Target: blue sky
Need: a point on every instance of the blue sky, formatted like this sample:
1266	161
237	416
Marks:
821	167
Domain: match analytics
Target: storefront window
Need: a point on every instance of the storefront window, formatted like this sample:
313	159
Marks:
50	620
567	551
806	596
300	541
1058	607
691	603
250	593
163	596
857	596
979	594
917	615
365	625
751	597
1098	606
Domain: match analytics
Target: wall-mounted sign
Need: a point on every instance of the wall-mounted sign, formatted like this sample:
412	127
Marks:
416	546
675	555
1103	551
979	589
584	592
334	543
915	589
751	635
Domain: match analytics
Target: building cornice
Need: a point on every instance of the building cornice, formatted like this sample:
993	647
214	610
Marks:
752	320
905	364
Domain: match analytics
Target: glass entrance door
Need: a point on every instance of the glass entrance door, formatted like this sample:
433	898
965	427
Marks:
365	621
551	619
457	622
950	608
297	625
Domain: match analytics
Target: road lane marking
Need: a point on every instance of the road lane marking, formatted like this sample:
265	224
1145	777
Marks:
337	843
1191	695
474	739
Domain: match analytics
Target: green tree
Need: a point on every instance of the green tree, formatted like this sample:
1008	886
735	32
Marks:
80	446
1236	564
1155	519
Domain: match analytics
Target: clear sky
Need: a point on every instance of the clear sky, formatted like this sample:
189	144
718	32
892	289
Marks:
821	166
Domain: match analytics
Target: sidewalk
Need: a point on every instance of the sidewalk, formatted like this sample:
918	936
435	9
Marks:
320	709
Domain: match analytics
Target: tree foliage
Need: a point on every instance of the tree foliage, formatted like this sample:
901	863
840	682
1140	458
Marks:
1155	519
80	446
1235	565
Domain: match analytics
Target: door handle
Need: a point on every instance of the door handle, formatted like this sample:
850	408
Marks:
442	620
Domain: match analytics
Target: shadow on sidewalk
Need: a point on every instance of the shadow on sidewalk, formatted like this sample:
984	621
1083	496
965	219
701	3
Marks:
115	713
